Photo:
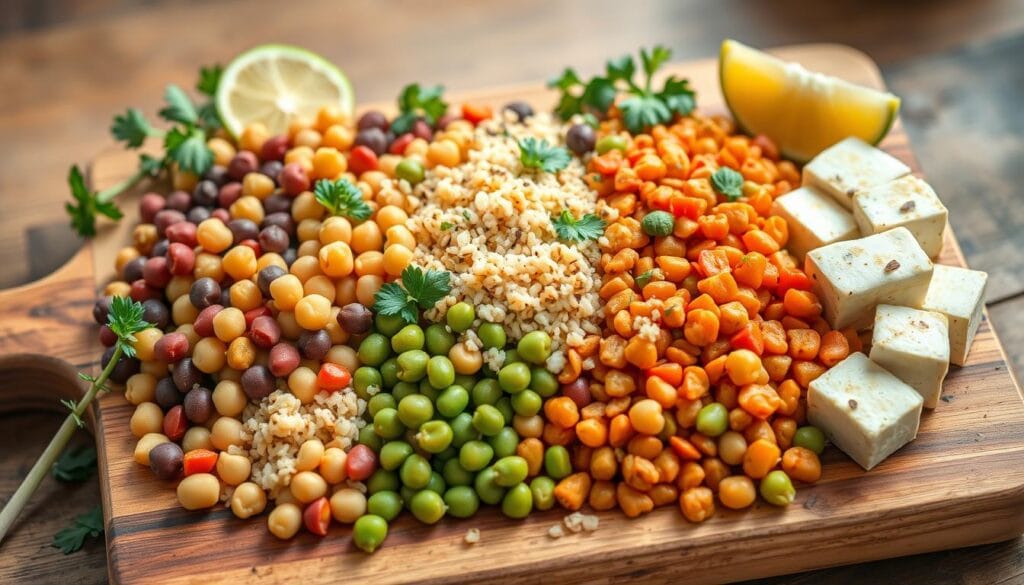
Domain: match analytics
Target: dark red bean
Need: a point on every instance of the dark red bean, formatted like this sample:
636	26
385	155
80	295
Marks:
274	147
133	269
179	201
175	423
521	109
355	318
265	332
167	394
101	309
205	193
186	375
252	314
243	229
156	272
166	460
420	129
372	119
165	218
197	215
446	119
580	138
149	205
361	160
579	391
399	144
244	163
277	203
228	194
171	347
221	214
258	382
107	336
281	219
284	358
273	239
225	296
361	463
204	292
198	405
255	245
203	324
314	345
184	232
218	174
181	259
140	291
156	313
293	179
374	139
267	276
125	368
271	168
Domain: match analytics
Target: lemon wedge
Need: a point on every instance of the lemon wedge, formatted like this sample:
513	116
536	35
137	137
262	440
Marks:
272	84
802	111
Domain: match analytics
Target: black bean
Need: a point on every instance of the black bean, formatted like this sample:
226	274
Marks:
198	405
243	229
242	164
289	256
204	292
166	460
281	219
125	368
179	201
218	174
133	269
372	119
373	138
186	375
167	394
521	109
166	218
101	309
355	318
197	215
205	193
273	239
277	203
225	296
314	345
258	382
267	276
580	138
272	168
160	248
156	313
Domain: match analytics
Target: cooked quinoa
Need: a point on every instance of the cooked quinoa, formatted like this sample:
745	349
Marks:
488	222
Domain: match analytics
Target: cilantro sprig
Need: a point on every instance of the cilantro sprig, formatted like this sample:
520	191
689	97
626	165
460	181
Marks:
728	182
125	320
419	102
538	154
588	227
418	290
341	197
642	106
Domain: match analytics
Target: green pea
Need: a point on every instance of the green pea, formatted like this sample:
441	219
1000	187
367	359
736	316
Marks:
439	339
611	142
486	391
374	350
364	378
429	391
440	458
669	430
777	489
409	169
394	453
713	419
465	380
414	410
512	356
462	429
386	504
408	338
389	372
380	401
535	347
452	401
427	506
518	501
527	403
387	424
415	472
510	470
462	501
436	483
407	493
403	389
504	442
492	335
489	492
514	377
369	532
383	480
460	316
504	406
454	474
488	420
557	463
389	324
543	489
434	436
412	365
370	438
543	382
810	437
475	455
440	372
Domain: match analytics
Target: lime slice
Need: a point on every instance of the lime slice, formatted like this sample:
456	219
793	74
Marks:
272	84
802	111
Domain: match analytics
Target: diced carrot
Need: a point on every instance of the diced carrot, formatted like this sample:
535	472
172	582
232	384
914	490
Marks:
476	113
750	270
749	337
669	372
199	461
712	262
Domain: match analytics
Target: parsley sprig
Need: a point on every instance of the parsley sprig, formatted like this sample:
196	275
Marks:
72	538
538	154
341	197
588	227
728	182
125	320
76	464
642	106
419	290
419	102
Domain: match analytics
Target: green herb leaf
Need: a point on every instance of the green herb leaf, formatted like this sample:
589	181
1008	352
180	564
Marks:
132	128
446	225
538	154
125	320
643	111
643	279
654	60
678	96
83	215
568	106
566	80
150	165
392	299
419	289
209	79
188	149
728	182
588	227
621	68
89	524
341	197
76	464
415	102
179	106
599	94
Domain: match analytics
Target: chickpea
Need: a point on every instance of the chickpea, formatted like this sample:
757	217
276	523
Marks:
209	354
345	291
646	417
178	287
226	431
289	326
343	355
367	287
305	206
284	520
214	236
466	361
371	262
302	383
399	234
144	237
367	236
336	259
247	207
443	152
223	151
241	353
347	505
147	418
306	267
182	180
328	163
198	491
233	469
313	312
307	137
731	447
332	465
228	398
140	388
253	137
240	262
157	369
245	295
257	185
183	311
390	215
286	291
146	444
736	492
309	248
307	486
335	229
196	438
208	265
801	464
117	288
339	137
248	500
310	454
271	259
697	504
229	324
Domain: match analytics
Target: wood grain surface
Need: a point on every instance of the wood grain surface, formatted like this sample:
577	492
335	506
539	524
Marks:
910	499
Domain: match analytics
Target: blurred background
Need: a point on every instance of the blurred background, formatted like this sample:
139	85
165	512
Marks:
67	66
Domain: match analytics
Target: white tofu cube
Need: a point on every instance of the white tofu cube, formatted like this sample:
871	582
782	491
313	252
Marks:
864	410
907	202
814	219
914	346
959	294
852	277
849	166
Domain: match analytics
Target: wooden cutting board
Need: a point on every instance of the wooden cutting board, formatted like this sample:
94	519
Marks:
960	483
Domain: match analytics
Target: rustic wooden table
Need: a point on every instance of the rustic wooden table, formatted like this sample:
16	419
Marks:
956	65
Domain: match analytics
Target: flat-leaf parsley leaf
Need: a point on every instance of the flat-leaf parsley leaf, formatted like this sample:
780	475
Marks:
538	154
419	102
728	182
341	197
418	290
588	227
76	464
89	524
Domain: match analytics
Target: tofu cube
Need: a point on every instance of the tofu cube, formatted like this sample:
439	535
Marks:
959	294
914	346
907	202
864	410
814	219
849	166
852	277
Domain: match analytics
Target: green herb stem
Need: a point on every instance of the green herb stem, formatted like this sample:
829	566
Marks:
42	467
113	191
